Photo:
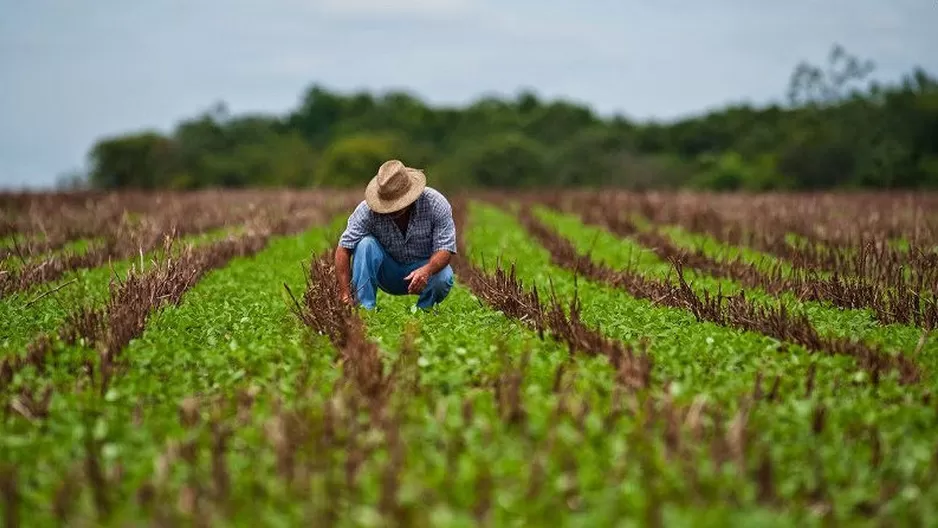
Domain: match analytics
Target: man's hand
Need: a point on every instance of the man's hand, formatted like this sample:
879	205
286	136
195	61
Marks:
418	280
421	276
347	298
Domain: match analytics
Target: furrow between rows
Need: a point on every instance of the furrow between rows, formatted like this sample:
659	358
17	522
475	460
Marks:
133	299
901	302
736	311
813	414
229	336
325	313
130	237
504	292
830	321
854	257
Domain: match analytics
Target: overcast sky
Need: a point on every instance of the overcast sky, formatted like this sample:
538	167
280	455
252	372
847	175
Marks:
74	71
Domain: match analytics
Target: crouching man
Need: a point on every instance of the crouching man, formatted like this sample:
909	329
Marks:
399	239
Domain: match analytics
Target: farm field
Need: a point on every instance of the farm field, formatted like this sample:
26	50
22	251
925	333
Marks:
605	358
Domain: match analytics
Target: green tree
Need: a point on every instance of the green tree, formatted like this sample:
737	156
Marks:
504	160
838	130
353	160
591	157
729	171
319	111
144	160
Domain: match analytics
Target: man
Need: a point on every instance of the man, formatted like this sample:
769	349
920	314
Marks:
399	239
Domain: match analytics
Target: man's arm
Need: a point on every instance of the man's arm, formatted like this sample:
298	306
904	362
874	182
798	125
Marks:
355	230
343	273
444	242
438	261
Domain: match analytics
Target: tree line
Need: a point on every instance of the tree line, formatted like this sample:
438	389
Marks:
836	129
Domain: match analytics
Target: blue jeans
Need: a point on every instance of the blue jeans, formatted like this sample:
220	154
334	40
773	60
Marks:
372	268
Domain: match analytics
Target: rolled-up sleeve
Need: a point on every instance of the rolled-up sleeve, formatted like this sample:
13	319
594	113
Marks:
357	227
444	228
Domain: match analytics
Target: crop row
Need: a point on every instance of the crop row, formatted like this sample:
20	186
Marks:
111	327
325	313
132	300
766	221
502	405
862	255
119	233
898	300
328	447
502	291
51	219
704	361
736	311
47	221
406	454
93	443
43	307
368	443
830	321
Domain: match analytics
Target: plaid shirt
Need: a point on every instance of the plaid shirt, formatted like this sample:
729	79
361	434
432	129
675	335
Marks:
431	229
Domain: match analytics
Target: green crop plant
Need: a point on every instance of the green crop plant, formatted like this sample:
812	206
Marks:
829	320
720	364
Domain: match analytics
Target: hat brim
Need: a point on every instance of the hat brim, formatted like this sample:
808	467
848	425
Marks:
418	182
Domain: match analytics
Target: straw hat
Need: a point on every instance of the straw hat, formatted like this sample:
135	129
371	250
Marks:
395	187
